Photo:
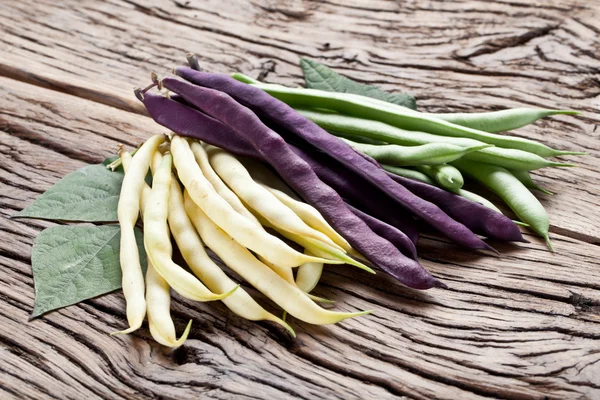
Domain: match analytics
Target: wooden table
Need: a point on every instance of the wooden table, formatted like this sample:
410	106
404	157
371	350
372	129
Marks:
525	325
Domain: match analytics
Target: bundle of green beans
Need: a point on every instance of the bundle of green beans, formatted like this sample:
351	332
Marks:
439	148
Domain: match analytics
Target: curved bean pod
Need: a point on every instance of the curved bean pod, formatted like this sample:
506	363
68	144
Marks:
500	121
396	237
289	297
158	298
526	180
158	291
128	211
444	175
241	229
477	217
409	173
512	191
419	176
157	240
317	248
426	154
310	216
308	276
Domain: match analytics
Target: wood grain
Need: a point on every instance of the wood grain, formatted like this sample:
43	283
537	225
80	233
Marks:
506	328
525	325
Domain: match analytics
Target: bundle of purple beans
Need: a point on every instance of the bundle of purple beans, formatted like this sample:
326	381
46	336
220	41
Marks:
376	212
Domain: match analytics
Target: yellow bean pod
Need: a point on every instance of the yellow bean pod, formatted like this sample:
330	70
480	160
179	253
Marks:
259	198
310	216
239	228
157	240
287	296
127	212
308	276
192	250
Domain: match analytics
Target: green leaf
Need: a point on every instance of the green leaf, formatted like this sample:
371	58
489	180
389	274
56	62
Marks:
318	76
75	263
89	194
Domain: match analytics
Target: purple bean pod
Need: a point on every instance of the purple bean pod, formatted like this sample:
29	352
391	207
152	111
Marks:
298	174
267	106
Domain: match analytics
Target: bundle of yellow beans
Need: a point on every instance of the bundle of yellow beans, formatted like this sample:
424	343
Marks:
225	205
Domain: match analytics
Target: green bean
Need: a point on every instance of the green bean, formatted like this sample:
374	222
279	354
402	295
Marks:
352	127
260	199
192	250
240	228
287	296
157	240
406	156
401	117
409	173
128	211
526	180
445	175
500	121
243	78
513	159
220	187
512	191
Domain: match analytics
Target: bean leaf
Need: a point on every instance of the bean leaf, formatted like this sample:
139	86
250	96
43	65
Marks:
75	263
90	194
318	76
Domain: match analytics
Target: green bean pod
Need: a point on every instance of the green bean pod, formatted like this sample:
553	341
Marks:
513	159
401	117
445	175
409	173
355	128
500	121
526	180
512	191
404	156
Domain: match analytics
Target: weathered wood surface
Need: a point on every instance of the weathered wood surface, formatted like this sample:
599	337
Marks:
525	325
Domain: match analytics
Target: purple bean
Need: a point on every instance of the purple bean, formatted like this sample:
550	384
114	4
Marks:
304	181
362	195
478	218
395	237
267	106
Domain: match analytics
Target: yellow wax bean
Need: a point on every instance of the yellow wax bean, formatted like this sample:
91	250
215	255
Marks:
238	258
239	228
128	211
258	198
157	240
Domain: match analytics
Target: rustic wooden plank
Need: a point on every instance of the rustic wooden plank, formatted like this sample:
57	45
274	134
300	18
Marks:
524	325
450	55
